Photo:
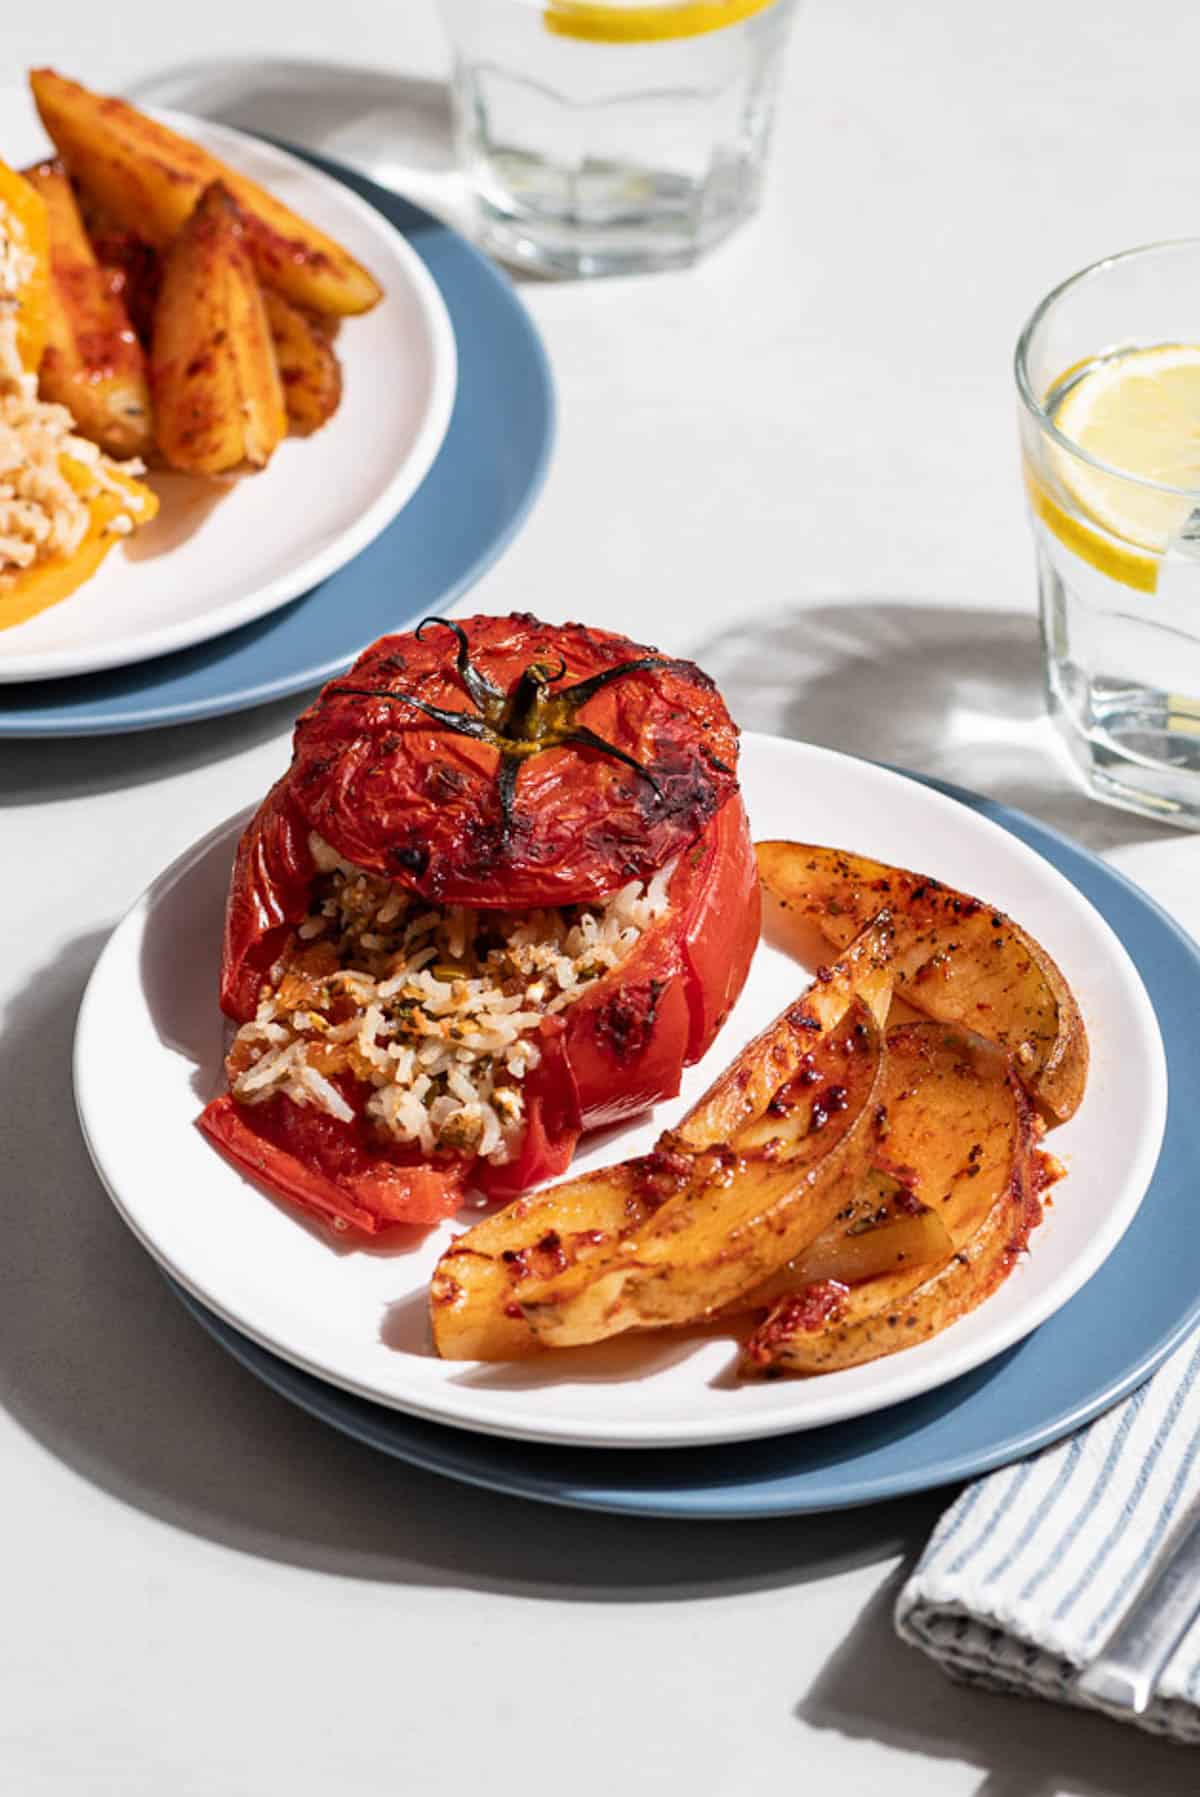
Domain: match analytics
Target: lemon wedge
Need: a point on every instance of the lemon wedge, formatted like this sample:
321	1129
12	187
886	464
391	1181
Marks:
1138	411
602	22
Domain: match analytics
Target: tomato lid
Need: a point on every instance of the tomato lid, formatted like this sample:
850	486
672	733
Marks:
500	761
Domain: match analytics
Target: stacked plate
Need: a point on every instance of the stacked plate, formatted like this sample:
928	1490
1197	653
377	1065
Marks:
419	480
665	1428
411	490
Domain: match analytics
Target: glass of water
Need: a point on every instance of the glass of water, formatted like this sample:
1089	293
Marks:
613	136
1108	377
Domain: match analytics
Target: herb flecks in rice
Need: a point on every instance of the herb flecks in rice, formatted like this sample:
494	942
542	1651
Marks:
434	1007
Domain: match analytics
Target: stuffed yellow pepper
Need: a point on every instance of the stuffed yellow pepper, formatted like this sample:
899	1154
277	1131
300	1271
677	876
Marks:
63	503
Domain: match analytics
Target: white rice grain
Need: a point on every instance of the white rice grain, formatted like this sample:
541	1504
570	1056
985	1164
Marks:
445	1004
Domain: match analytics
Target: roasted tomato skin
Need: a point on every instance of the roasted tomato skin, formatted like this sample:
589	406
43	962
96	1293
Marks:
268	897
722	917
623	1045
334	1169
620	1049
407	799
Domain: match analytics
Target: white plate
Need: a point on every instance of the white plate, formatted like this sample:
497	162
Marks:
148	1056
217	557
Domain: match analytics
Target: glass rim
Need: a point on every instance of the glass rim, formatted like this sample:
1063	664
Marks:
1033	404
643	6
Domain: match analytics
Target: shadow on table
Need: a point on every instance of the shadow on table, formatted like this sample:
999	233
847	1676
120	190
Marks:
386	123
101	1364
875	1688
396	128
37	772
944	690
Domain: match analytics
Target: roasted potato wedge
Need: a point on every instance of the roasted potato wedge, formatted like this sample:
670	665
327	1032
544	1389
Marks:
956	959
472	1297
742	1093
783	1343
149	179
92	362
579	1224
474	1308
731	1212
132	267
884	1228
217	394
961	1138
308	365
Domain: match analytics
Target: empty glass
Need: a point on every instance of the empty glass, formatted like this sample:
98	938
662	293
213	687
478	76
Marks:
614	136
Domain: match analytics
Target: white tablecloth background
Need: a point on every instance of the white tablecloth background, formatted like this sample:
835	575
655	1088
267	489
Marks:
797	463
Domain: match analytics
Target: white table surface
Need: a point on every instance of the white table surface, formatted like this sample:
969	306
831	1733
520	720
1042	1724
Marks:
795	462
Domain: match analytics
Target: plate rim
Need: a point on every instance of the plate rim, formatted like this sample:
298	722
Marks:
472	1460
466	279
906	1379
36	666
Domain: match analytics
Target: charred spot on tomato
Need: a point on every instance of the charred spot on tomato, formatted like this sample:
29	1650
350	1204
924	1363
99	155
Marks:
410	857
679	789
315	770
624	1023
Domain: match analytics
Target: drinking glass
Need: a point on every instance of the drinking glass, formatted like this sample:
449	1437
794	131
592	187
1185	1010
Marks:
1118	546
613	136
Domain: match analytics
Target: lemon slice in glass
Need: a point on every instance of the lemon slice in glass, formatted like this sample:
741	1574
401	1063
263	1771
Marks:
1139	411
608	22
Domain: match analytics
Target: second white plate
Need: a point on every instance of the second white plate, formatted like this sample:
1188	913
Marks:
148	1056
219	556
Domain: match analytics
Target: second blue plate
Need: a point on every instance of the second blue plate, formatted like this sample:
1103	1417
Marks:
470	505
1108	1339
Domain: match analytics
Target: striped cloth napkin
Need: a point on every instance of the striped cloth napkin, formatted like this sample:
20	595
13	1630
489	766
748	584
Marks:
1027	1574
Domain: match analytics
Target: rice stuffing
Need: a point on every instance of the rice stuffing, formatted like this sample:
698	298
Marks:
432	1006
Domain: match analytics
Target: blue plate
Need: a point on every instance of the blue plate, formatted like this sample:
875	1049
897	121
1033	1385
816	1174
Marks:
1101	1345
470	505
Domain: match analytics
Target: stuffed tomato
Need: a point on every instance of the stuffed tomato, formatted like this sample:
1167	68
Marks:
504	894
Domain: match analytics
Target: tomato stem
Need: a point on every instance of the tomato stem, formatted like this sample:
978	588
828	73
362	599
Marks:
524	721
